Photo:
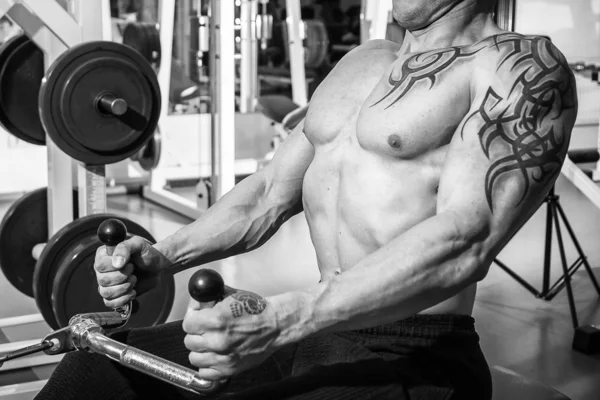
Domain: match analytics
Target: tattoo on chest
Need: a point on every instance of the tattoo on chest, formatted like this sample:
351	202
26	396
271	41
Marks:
524	123
522	132
248	302
423	67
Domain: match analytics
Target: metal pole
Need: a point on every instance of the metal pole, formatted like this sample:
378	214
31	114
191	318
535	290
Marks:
505	14
588	187
91	178
249	56
53	36
596	175
563	260
550	201
222	83
381	20
167	24
296	36
364	23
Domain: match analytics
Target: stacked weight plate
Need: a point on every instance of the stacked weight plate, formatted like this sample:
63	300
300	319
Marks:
21	73
144	37
100	103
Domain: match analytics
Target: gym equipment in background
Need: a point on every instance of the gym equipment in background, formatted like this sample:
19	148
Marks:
554	215
21	73
86	332
148	157
23	227
100	102
144	37
65	284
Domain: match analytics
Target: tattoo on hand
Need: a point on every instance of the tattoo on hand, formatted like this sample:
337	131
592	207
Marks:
237	310
248	302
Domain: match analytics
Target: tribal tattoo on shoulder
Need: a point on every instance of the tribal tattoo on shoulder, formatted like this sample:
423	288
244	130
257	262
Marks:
526	123
526	118
247	302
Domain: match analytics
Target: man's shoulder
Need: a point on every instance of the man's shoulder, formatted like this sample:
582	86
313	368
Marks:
528	74
372	48
511	54
379	44
374	57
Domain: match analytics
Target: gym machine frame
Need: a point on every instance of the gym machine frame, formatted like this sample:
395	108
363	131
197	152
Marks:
79	22
219	44
222	116
217	34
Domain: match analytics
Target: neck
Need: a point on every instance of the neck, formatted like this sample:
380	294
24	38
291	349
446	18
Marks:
463	24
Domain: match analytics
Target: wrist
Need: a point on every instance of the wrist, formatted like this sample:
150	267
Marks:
168	252
293	315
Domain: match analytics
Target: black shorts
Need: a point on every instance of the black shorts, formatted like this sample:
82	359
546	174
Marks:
427	357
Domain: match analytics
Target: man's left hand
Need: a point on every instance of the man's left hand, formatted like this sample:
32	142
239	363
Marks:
234	335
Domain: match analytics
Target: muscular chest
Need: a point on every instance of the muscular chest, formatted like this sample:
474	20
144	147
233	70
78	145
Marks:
391	108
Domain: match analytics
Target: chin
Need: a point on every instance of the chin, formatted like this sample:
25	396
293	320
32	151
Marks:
410	22
411	17
416	14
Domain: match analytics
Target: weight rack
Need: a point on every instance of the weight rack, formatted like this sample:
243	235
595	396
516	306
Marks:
56	26
69	26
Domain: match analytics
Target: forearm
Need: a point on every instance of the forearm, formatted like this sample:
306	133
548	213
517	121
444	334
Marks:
419	269
239	222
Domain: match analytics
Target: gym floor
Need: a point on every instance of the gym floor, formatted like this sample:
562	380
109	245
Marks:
518	331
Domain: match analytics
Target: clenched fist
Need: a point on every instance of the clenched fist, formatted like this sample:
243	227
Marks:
133	269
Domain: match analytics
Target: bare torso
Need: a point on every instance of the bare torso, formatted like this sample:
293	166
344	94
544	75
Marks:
378	161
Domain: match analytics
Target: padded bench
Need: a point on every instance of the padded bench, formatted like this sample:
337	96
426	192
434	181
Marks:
509	385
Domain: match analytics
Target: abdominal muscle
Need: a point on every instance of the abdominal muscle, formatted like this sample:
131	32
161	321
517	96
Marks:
331	264
350	217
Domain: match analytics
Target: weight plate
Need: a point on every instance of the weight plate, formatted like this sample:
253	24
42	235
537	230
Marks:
149	156
316	44
21	74
144	37
65	283
24	225
70	102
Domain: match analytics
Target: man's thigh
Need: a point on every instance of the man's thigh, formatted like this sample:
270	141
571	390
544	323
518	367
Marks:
350	381
330	367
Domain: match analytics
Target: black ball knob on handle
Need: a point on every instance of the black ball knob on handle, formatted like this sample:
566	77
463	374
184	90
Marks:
112	232
206	285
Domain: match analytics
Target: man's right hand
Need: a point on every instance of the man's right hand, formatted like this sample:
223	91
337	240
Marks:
133	269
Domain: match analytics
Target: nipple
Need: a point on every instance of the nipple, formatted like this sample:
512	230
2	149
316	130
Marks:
394	141
338	271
